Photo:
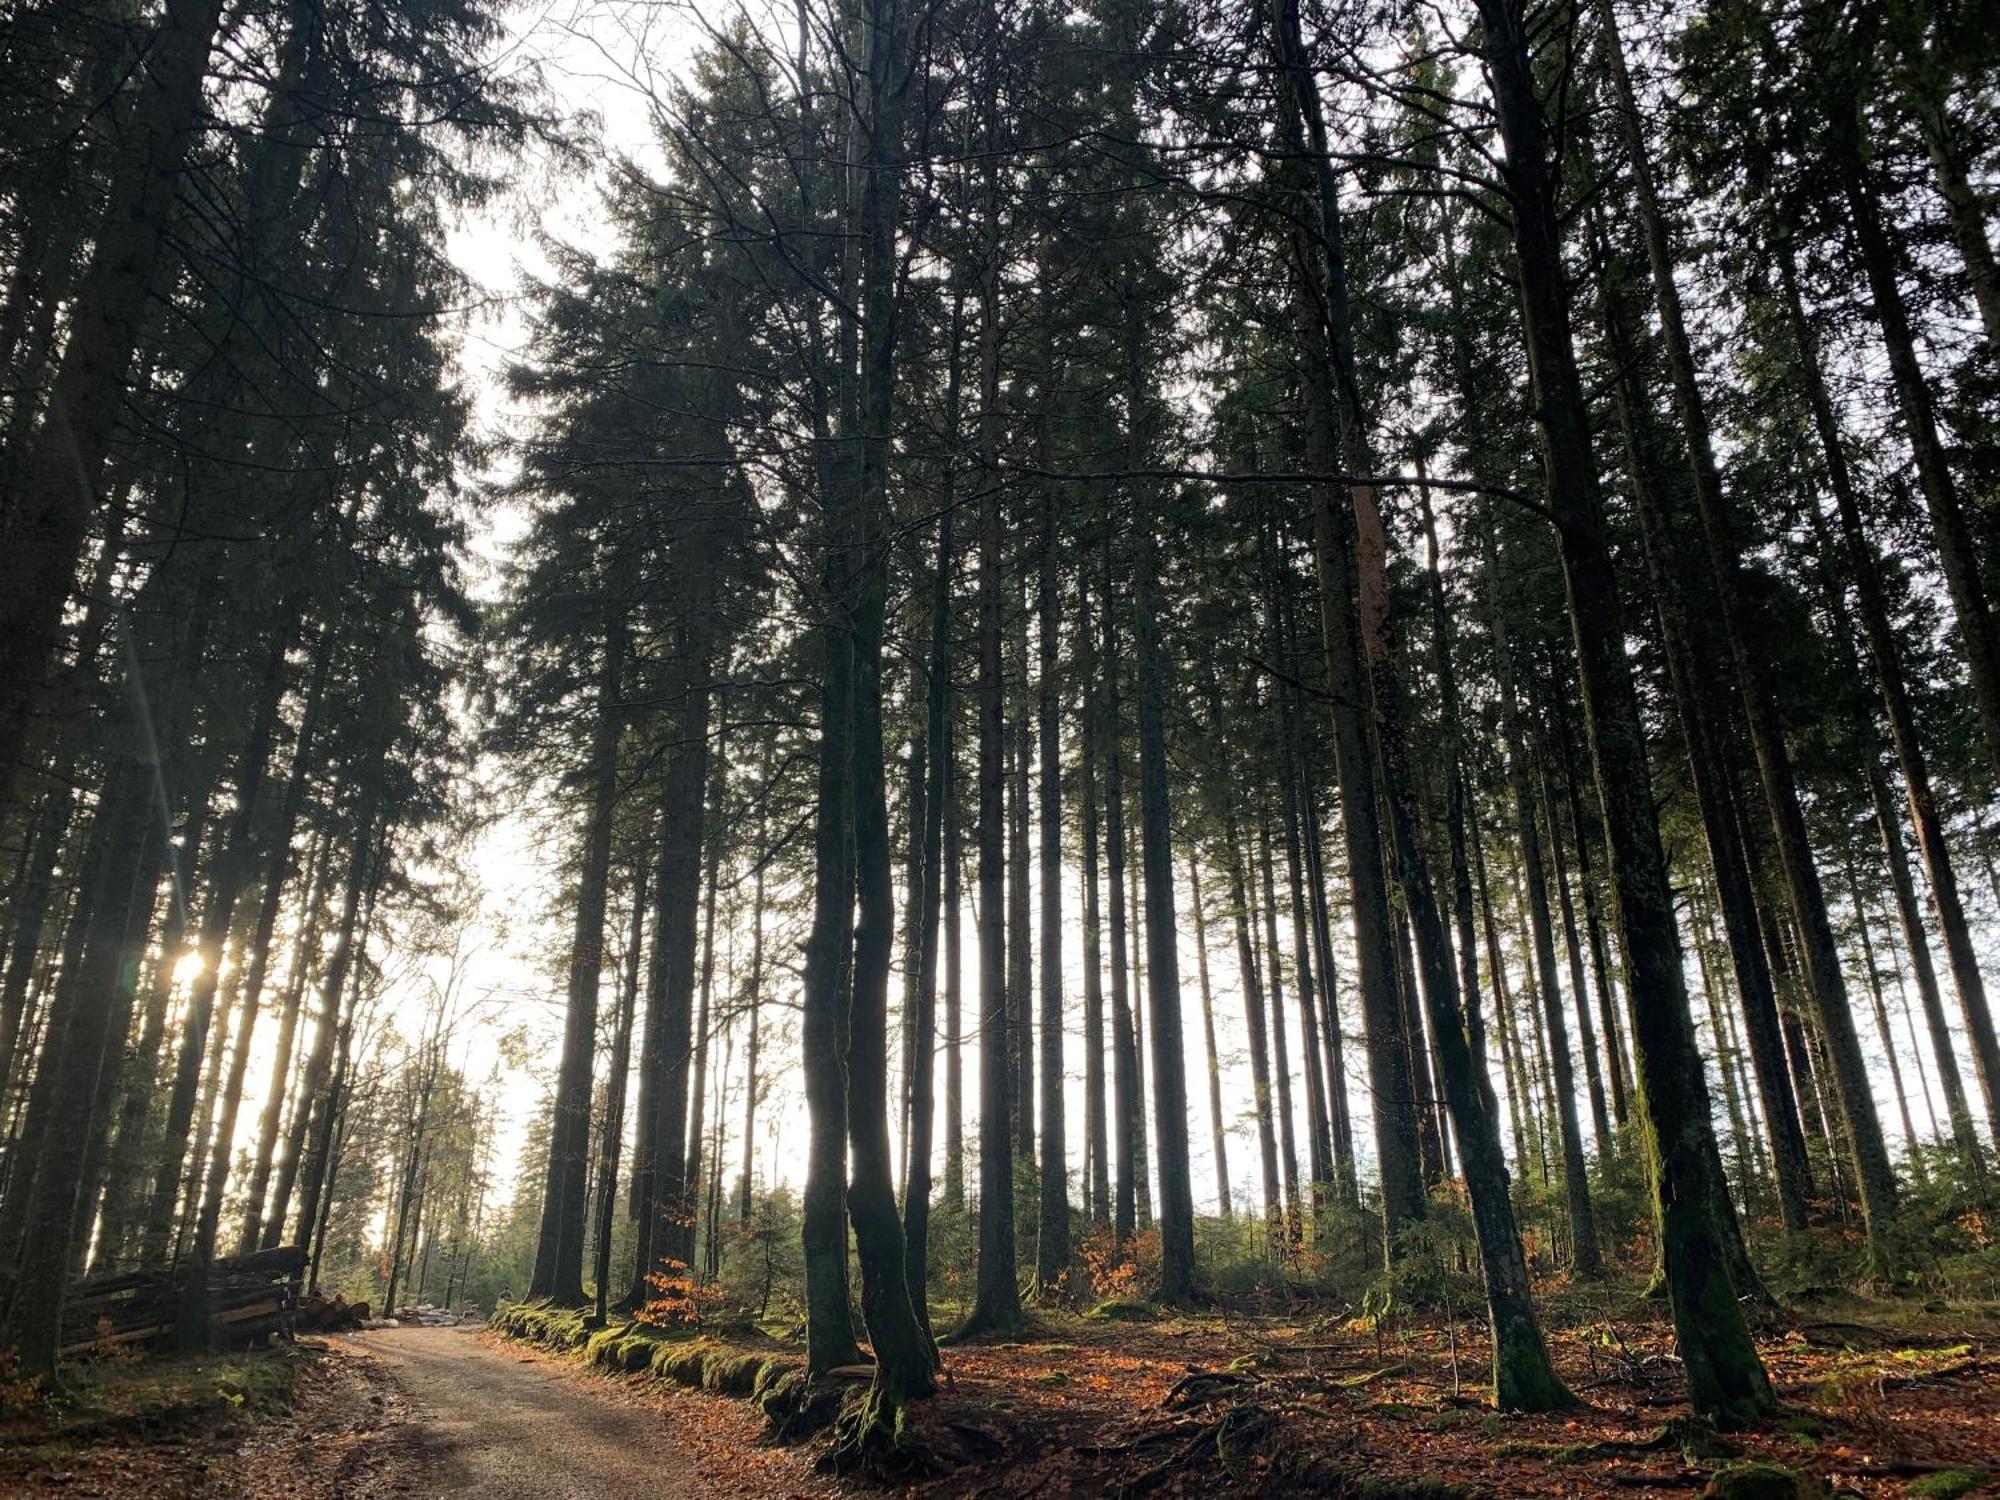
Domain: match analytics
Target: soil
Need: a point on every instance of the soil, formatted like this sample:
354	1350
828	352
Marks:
1875	1401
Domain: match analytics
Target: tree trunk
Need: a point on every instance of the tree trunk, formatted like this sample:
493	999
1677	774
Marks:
1725	1376
1714	793
1096	1124
304	761
751	1083
996	1306
1125	1102
1826	984
1218	1135
320	1060
1163	980
558	1272
1281	1063
1253	1012
612	1141
1052	1251
1864	572
1587	1258
660	1205
1958	556
233	867
1334	440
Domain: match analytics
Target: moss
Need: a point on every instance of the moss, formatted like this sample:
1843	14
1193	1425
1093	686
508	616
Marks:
561	1328
1759	1481
681	1363
1260	1359
771	1372
731	1374
1947	1484
795	1407
1125	1310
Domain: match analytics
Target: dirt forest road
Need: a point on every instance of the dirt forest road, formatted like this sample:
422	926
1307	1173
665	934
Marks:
411	1413
487	1420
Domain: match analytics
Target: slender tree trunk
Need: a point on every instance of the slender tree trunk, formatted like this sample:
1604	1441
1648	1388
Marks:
1600	1114
1340	1116
304	761
1218	1135
937	734
233	868
1163	981
1714	793
558	1272
1826	984
305	949
954	993
1253	1012
319	1061
1615	1071
755	989
1125	1101
1281	1063
660	1204
1096	1124
317	1178
1725	1376
1958	557
1319	1137
704	1027
996	1304
1334	440
1052	1250
905	1360
612	1141
1576	1184
1864	572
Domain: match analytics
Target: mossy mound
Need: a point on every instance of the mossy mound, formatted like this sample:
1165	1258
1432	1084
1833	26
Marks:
682	1363
1762	1482
564	1328
1125	1310
728	1374
626	1348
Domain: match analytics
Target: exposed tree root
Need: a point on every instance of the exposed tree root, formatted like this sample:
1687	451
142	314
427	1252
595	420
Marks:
1228	1437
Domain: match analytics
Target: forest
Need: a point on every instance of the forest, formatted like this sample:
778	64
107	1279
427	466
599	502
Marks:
1288	670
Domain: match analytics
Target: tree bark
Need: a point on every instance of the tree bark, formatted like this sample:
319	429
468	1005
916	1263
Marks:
558	1272
1052	1251
1726	1379
1218	1135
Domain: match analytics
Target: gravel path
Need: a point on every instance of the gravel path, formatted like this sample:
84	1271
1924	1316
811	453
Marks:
486	1421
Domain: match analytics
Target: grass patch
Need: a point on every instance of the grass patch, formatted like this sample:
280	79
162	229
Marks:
1947	1484
1125	1310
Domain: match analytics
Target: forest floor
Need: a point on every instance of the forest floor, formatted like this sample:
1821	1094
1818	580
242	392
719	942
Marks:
1877	1397
1882	1399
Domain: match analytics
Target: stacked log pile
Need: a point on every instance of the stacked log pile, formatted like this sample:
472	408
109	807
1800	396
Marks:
335	1314
250	1297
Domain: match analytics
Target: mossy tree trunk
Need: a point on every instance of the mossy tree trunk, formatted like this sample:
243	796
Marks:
1726	1379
